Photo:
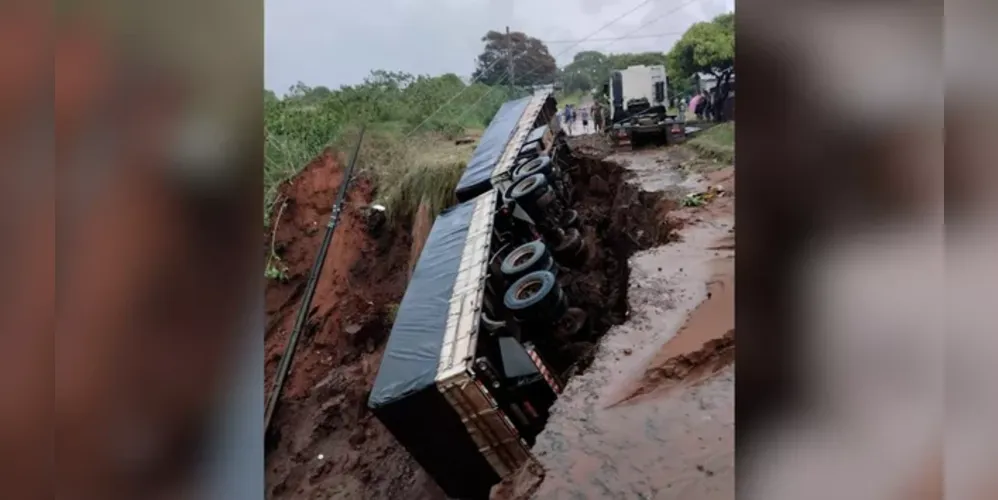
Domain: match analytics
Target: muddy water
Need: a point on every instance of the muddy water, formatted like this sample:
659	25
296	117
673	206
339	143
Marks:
680	446
658	170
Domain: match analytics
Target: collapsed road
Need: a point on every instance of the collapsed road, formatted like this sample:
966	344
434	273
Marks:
653	417
512	291
482	387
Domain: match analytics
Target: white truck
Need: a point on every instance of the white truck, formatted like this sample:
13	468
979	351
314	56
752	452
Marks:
638	102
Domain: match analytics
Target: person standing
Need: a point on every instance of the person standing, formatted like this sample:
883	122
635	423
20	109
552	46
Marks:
696	106
585	119
569	118
598	118
707	105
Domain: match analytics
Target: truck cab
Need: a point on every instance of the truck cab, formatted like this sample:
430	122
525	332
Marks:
637	90
638	103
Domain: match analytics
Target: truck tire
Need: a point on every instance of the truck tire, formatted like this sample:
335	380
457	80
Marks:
525	259
637	140
532	193
570	218
492	325
536	297
530	151
539	165
570	246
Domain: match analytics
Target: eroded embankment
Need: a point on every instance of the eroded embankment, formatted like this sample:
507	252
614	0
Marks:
324	441
323	412
618	219
669	363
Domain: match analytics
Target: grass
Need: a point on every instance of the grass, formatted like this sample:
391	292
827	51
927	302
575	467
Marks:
406	171
430	170
412	121
717	142
573	98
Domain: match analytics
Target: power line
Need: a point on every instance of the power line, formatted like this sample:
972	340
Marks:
503	78
634	37
668	13
613	40
427	119
452	99
624	36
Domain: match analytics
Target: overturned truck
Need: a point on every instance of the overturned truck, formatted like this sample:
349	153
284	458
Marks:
466	383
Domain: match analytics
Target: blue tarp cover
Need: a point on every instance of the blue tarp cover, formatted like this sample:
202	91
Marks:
477	175
413	350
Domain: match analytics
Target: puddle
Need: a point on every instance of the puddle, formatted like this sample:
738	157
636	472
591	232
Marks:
592	448
658	170
679	447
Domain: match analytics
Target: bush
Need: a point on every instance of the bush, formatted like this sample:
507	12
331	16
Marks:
300	125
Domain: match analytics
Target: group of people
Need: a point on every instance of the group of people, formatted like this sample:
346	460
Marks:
570	115
706	105
702	105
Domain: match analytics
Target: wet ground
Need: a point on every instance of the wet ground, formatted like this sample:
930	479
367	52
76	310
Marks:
576	127
653	417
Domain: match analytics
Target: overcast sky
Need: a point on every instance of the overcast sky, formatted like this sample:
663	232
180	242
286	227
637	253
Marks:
322	42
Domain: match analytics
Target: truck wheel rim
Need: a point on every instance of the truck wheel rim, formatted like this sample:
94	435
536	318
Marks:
527	184
528	289
523	256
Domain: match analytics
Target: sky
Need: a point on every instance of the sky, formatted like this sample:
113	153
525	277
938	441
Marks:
321	42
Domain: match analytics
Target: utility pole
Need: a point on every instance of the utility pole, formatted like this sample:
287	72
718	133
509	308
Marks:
509	57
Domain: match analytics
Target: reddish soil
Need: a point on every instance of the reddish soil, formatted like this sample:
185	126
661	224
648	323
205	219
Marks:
421	225
706	342
323	409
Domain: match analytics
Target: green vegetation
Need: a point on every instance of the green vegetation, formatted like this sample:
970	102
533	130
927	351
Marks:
308	119
694	200
591	69
412	120
533	64
717	142
706	47
573	98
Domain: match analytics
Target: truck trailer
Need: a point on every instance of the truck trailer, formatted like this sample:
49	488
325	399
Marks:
465	384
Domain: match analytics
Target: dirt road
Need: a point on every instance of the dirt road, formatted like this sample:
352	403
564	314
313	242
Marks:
653	418
576	128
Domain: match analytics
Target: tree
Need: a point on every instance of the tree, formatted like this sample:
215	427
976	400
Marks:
591	69
303	94
638	59
532	63
587	70
706	47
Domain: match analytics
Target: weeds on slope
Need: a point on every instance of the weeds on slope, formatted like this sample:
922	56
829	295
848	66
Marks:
717	142
306	121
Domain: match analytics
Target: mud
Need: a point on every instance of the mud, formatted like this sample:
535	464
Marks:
653	417
421	225
636	292
618	219
323	410
697	351
523	484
